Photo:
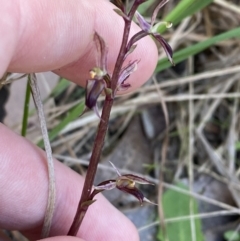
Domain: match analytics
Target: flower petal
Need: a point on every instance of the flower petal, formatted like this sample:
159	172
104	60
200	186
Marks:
93	90
96	110
135	38
127	71
144	25
124	87
156	10
167	48
130	50
133	191
148	201
106	185
114	167
102	51
138	179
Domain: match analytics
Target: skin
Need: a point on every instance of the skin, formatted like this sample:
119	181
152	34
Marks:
49	35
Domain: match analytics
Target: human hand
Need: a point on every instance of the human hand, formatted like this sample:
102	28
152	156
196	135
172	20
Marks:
43	35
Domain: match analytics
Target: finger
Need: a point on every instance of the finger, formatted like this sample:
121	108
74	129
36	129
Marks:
62	238
58	35
24	191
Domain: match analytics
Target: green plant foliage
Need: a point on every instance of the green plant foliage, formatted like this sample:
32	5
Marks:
184	9
176	204
143	7
60	87
72	114
237	145
197	48
26	109
232	236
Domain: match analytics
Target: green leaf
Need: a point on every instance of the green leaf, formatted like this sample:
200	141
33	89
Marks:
176	204
232	235
26	109
197	48
75	112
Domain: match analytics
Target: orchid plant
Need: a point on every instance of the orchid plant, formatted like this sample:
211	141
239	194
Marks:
101	81
125	183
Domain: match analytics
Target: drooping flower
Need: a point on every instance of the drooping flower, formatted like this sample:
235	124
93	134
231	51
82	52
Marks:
125	73
125	183
100	78
148	29
93	91
99	75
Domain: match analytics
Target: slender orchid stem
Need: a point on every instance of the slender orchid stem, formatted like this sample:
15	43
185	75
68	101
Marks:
97	149
101	133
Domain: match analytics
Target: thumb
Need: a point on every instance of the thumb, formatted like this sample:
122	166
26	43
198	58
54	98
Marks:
45	35
62	238
3	237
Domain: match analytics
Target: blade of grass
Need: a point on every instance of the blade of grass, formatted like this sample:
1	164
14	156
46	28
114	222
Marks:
60	88
196	48
184	9
144	7
51	175
75	112
26	108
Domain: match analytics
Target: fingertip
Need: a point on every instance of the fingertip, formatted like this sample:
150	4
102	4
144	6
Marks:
9	33
62	238
53	34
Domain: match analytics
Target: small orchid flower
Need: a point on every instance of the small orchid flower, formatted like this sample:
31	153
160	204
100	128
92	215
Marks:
125	73
100	80
125	183
93	91
99	75
148	29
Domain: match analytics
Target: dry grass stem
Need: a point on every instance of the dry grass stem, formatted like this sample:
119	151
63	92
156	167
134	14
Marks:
51	174
228	6
185	218
190	152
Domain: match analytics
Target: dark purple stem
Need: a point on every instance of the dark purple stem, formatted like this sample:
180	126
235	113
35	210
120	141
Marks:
102	129
97	148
